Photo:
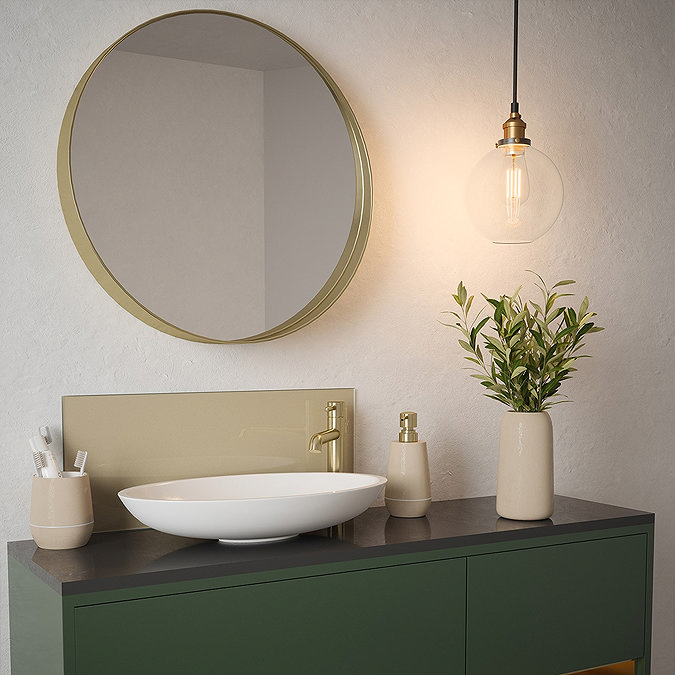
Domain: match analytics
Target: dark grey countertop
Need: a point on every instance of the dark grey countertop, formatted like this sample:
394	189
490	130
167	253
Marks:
127	559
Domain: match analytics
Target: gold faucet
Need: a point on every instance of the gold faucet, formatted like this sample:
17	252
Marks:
331	437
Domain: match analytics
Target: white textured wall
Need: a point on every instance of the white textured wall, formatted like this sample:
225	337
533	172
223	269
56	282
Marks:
429	83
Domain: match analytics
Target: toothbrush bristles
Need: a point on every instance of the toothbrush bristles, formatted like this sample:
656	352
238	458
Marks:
39	462
80	460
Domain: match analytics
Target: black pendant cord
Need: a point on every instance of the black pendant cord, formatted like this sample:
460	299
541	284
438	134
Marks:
514	102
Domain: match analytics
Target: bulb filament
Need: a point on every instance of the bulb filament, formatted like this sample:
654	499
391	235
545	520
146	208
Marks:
513	193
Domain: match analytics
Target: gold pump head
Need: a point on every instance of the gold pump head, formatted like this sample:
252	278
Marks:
408	421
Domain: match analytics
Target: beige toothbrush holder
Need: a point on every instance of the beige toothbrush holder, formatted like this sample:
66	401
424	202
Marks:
61	513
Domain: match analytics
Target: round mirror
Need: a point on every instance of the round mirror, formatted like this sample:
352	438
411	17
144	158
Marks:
214	178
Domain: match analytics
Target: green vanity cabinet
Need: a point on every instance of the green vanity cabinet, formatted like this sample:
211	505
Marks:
557	609
460	592
369	621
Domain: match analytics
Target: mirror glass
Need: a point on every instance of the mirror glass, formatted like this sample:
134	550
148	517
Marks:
214	178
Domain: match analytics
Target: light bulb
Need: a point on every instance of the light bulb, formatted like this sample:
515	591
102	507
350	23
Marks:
517	184
514	194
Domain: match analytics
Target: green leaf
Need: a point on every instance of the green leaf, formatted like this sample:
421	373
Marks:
501	399
465	345
556	313
461	291
583	330
482	323
517	371
493	344
476	361
565	282
536	275
499	312
567	331
468	304
518	319
585	318
538	339
551	301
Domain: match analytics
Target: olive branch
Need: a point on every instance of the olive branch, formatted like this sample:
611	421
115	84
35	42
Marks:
530	349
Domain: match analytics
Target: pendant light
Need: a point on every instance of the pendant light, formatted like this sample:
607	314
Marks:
515	192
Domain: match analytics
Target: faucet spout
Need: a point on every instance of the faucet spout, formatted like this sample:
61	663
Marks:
322	438
331	437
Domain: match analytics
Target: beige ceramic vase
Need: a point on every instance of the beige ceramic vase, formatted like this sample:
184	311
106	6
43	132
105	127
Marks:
525	471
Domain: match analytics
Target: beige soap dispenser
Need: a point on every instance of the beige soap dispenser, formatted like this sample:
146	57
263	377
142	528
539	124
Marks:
408	491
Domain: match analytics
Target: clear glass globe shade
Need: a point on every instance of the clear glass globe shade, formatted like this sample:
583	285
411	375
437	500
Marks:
514	194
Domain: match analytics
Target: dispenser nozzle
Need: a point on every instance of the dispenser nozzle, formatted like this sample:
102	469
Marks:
408	421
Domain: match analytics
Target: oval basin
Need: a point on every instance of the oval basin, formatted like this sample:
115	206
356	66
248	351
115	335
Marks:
252	508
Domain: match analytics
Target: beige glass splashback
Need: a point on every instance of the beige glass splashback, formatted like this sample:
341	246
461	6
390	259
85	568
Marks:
133	439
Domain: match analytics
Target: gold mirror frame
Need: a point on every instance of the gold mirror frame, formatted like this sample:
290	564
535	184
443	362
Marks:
331	290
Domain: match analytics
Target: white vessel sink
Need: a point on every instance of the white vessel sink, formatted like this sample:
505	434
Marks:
252	508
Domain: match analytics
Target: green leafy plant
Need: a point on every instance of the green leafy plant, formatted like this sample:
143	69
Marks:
527	349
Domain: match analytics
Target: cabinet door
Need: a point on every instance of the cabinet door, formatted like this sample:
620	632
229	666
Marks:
556	609
403	619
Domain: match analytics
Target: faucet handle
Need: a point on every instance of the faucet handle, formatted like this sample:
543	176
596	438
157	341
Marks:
336	407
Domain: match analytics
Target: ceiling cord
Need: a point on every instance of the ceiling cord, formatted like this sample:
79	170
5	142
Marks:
514	102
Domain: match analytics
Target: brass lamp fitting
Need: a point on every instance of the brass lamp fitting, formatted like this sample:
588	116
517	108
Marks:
514	131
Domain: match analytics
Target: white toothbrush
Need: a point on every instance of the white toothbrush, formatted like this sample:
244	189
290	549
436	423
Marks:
80	460
39	463
51	468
